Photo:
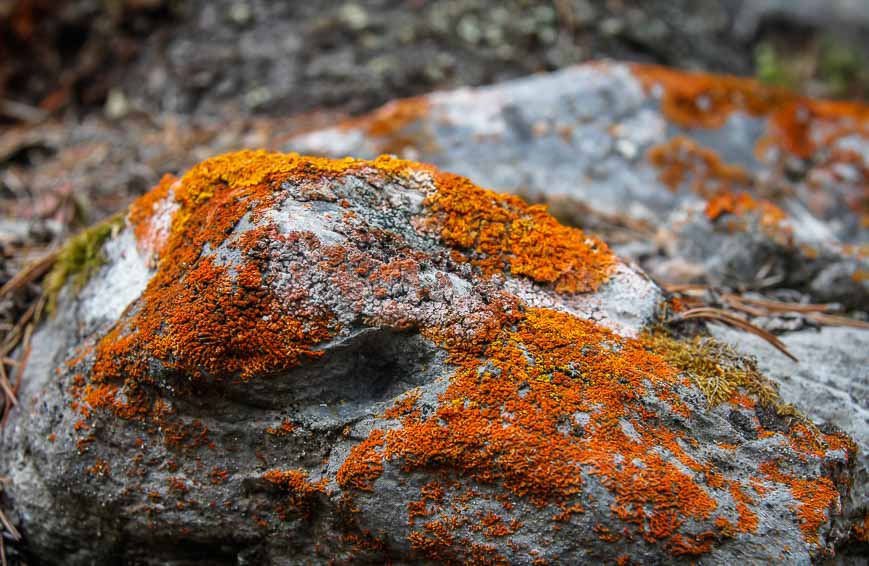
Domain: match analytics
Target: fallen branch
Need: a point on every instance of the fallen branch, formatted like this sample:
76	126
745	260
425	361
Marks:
683	287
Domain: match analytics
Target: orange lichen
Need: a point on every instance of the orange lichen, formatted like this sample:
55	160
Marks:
218	475
390	125
699	100
100	468
748	520
364	463
178	485
681	159
432	494
525	452
502	233
815	497
506	420
285	428
860	529
144	214
403	407
741	203
743	209
300	491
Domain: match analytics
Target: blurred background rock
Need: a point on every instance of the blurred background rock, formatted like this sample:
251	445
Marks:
212	57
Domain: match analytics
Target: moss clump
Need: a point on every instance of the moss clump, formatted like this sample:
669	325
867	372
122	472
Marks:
79	259
771	69
717	369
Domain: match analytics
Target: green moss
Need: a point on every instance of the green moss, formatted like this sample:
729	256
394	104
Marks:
839	66
79	259
770	67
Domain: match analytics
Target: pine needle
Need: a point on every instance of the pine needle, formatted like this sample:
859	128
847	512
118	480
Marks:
732	320
780	306
833	320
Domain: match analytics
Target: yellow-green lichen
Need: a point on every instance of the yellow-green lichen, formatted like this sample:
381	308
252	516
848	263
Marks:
79	259
717	370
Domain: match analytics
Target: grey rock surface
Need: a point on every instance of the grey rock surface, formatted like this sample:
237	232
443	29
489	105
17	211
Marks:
611	147
830	383
291	360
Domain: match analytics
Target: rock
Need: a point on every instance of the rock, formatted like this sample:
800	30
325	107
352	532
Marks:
848	14
830	383
742	242
648	149
279	357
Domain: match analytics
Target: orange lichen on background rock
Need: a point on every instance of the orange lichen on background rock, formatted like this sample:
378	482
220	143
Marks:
746	211
681	159
388	124
699	100
740	203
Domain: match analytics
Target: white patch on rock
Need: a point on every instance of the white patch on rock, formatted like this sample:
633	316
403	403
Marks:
335	141
121	281
293	216
623	304
476	109
644	128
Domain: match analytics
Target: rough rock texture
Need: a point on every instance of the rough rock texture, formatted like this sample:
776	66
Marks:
734	177
831	382
286	358
698	178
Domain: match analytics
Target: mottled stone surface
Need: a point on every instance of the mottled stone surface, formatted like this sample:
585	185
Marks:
288	359
650	149
830	383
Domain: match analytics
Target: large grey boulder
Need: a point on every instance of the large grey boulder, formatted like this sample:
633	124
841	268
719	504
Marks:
291	360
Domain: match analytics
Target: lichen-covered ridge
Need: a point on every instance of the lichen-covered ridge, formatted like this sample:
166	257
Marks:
379	360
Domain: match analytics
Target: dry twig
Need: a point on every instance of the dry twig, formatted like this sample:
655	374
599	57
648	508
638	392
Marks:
7	524
7	387
30	273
